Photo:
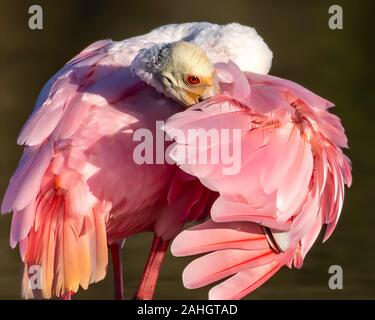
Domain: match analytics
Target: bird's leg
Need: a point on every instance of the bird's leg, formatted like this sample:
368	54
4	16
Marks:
117	270
67	296
150	275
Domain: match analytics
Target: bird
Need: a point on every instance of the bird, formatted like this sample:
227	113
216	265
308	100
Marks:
290	183
78	190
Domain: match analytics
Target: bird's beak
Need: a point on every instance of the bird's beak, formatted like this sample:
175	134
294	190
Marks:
189	98
212	90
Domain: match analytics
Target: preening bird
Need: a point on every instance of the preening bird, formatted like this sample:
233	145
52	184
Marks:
77	187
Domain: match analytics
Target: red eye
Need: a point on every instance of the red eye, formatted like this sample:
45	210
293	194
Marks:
193	80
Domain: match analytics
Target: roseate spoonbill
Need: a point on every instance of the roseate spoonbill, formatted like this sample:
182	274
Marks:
77	187
290	184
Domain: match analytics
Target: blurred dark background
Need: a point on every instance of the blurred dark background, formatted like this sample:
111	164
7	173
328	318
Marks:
336	64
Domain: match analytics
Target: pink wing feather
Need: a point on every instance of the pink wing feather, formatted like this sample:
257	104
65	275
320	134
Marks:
75	189
53	233
70	176
291	178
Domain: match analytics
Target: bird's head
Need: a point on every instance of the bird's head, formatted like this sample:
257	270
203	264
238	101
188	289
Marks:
180	70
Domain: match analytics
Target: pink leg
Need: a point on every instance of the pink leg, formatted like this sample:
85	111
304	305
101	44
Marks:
117	270
67	296
150	275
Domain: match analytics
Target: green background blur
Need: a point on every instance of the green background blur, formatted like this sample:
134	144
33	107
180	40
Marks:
337	65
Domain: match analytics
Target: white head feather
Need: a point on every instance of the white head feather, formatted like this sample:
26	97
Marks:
235	42
239	43
170	67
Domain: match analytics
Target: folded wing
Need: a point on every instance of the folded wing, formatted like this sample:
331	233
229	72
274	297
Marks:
290	180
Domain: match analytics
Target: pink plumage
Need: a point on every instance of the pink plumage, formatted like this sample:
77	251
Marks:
290	183
77	187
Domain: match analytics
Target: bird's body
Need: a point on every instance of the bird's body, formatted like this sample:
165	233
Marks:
77	187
